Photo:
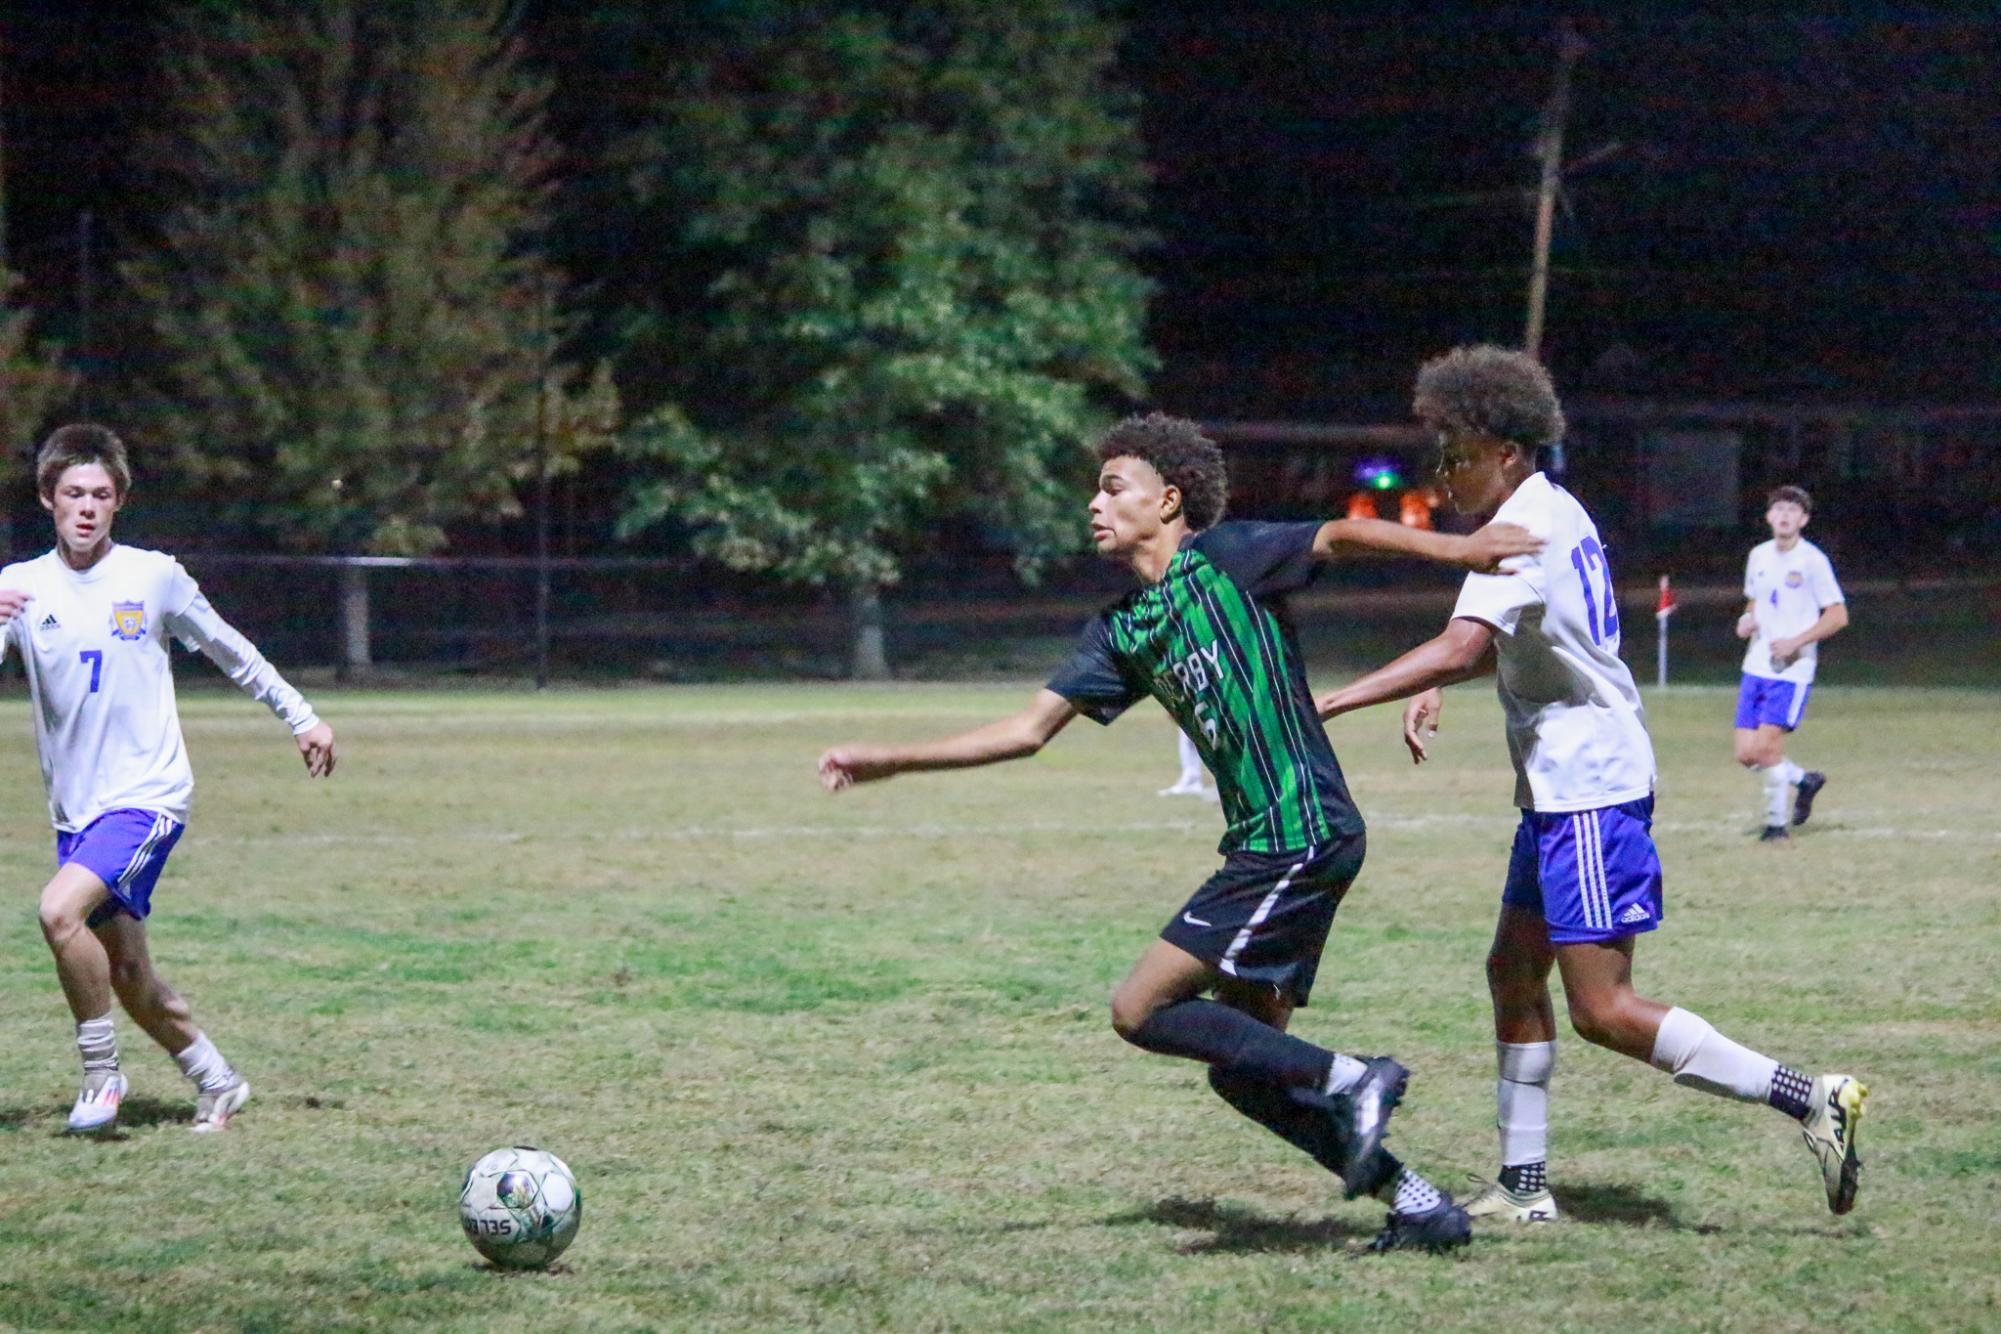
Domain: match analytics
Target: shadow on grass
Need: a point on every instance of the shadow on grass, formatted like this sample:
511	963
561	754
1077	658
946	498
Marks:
1624	1205
1233	1228
132	1113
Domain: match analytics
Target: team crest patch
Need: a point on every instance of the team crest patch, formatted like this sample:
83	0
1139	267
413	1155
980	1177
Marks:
1794	578
128	620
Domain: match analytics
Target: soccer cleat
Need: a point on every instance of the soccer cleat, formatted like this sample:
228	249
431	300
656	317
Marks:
1811	783
1442	1227
97	1101
1834	1114
1497	1202
1365	1110
1774	833
213	1110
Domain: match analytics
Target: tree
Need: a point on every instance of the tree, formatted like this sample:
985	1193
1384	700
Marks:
916	224
33	383
351	311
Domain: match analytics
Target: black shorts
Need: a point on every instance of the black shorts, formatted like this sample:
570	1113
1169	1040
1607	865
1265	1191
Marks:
1263	918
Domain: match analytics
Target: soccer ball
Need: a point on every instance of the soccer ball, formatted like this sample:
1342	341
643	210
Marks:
520	1207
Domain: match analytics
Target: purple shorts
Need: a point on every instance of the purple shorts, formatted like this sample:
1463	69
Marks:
126	850
1760	700
1592	875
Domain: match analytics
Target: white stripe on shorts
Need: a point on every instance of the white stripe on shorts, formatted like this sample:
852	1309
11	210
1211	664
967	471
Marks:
1583	866
1590	871
1228	963
1797	707
1604	881
161	824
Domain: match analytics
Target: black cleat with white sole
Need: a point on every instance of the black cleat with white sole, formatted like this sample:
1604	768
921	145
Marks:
1443	1227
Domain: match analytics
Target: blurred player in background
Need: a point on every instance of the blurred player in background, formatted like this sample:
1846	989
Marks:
1583	879
1207	635
91	620
1193	781
1792	603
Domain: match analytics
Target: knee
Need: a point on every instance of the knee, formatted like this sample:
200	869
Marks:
61	921
1130	1011
1592	1025
1601	1020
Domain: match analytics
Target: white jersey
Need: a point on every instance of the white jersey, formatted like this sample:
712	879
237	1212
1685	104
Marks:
1788	591
94	643
1576	729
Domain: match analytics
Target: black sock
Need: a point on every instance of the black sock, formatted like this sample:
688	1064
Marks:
1791	1093
1526	1178
1299	1117
1234	1043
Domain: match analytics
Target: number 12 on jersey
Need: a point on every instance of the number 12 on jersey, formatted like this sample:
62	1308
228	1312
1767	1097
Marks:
1587	556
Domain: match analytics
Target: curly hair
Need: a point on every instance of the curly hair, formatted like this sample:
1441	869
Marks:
1495	391
79	443
1185	458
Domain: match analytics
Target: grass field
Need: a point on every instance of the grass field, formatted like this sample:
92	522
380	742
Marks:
845	1062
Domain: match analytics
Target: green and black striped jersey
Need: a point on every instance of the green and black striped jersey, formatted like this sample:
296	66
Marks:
1212	642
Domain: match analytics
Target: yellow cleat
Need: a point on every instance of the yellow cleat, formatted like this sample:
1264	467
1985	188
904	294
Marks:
1497	1203
1833	1117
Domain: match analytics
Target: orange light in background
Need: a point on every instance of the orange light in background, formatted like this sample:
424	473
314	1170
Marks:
1361	505
1413	511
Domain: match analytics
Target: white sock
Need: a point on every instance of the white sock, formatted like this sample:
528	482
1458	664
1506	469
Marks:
1700	1057
97	1042
1793	772
1345	1073
201	1062
1521	1099
1409	1193
1777	810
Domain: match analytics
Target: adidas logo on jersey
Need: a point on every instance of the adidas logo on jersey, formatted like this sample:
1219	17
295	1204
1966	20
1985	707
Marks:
49	622
1635	912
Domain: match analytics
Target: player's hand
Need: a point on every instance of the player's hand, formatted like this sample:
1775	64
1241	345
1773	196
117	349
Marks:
1784	651
1487	547
316	748
1747	625
844	766
12	603
1420	722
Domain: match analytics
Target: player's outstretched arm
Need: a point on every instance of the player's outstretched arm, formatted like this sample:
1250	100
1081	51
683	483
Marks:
1483	549
1010	738
1465	650
200	628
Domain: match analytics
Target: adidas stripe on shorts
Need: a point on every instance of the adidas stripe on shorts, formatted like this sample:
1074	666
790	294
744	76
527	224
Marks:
1593	875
